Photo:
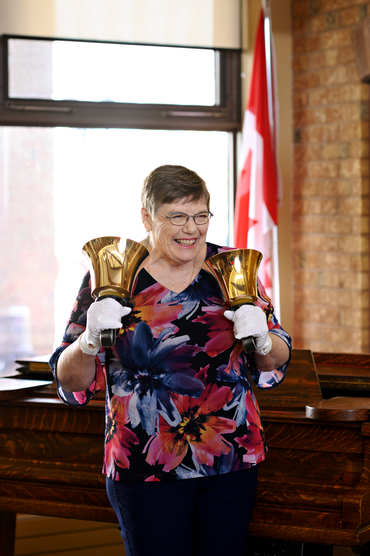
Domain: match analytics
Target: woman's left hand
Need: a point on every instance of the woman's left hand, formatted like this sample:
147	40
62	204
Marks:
250	320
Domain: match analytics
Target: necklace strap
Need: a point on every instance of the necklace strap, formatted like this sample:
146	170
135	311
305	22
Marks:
147	266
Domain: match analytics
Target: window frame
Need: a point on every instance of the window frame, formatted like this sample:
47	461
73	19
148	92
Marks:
224	116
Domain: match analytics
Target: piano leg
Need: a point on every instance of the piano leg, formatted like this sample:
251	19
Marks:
7	533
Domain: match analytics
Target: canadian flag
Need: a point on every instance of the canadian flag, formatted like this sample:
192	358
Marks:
255	221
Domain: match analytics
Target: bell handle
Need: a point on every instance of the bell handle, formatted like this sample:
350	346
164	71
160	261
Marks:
108	336
249	344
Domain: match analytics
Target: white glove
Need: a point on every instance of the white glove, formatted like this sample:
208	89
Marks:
102	315
250	320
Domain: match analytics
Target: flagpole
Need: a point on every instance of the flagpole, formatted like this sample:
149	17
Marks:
270	96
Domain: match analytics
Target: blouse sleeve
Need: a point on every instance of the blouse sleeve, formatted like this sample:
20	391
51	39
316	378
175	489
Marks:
269	379
75	327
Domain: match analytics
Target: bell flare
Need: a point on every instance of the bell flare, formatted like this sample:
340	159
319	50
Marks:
236	273
114	264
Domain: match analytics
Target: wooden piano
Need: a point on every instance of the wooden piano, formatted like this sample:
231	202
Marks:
314	486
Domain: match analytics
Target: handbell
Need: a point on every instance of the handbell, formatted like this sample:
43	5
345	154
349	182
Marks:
236	273
114	262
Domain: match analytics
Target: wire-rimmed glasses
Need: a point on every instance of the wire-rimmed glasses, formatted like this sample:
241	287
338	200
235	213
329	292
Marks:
180	218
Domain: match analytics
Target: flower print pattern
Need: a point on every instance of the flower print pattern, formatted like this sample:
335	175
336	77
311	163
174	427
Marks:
118	438
150	370
200	430
240	391
148	306
179	402
253	441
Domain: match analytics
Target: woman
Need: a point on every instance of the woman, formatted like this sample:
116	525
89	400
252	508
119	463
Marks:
183	431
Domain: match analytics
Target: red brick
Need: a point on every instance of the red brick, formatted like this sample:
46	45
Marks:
323	170
299	27
359	149
353	92
360	262
325	315
312	224
338	113
303	117
323	22
337	225
337	38
350	16
306	187
353	206
306	80
361	225
337	74
306	44
300	100
353	130
348	316
316	60
358	301
354	244
321	133
304	277
301	7
300	171
300	63
328	95
306	153
331	189
316	242
335	298
346	55
335	150
360	186
350	168
353	281
329	279
336	261
330	5
315	205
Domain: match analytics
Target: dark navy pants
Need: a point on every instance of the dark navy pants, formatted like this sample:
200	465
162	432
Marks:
208	516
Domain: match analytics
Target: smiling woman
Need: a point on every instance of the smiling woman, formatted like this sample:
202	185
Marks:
174	199
183	431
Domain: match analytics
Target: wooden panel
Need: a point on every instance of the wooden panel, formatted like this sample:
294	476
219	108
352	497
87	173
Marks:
343	371
299	388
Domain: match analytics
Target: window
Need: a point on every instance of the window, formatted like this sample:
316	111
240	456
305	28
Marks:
62	184
40	76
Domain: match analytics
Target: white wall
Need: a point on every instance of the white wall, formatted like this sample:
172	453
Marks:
186	22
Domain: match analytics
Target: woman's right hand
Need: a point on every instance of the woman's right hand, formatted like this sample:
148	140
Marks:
76	368
104	314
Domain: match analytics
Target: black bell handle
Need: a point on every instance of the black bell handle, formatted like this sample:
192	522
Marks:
108	336
249	344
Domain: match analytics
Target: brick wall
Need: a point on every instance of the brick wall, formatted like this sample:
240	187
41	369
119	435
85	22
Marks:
331	179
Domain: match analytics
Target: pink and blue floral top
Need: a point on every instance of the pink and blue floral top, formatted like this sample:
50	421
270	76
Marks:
179	403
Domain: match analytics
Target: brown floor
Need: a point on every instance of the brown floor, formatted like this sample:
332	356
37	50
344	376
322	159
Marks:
48	536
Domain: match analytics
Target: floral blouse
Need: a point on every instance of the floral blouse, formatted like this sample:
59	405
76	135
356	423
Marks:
179	403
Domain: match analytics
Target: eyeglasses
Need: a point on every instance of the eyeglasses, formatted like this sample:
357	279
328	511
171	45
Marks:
180	219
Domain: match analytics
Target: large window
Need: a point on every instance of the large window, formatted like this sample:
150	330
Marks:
61	185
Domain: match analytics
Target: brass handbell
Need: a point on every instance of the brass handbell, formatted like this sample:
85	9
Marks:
114	262
236	273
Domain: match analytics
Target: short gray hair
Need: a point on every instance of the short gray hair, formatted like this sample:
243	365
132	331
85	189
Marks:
170	183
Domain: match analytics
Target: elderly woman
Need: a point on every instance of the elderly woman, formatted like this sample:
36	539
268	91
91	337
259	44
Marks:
183	432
